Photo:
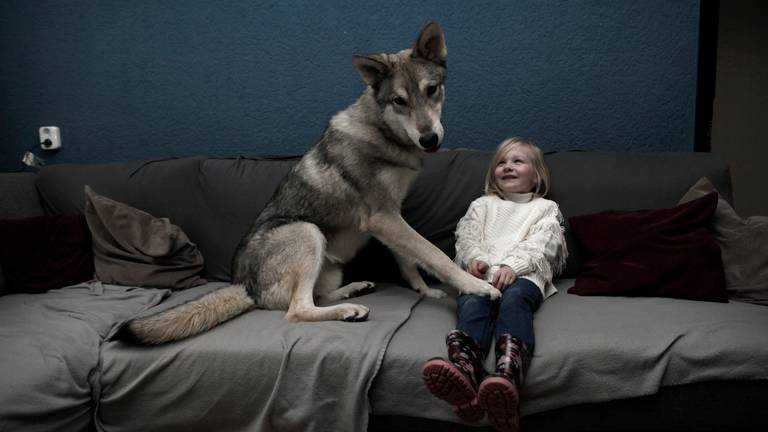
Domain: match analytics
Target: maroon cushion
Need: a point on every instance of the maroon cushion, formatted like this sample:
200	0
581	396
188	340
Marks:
651	253
45	252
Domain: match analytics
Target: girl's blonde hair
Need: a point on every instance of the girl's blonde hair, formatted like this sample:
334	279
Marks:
537	161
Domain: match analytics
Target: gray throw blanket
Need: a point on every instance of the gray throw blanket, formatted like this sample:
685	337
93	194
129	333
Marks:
50	352
257	372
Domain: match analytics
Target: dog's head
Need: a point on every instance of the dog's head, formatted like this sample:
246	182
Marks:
408	88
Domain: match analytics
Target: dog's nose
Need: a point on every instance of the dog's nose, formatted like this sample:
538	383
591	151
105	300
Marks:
429	141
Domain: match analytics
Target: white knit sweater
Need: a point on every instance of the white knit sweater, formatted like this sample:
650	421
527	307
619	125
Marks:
523	232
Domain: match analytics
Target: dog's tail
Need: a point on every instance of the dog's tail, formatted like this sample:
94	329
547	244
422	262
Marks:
192	318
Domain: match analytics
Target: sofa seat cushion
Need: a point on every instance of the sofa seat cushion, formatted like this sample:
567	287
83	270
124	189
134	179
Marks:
589	349
50	353
254	372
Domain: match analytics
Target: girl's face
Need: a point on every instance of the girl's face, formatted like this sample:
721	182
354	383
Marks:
514	173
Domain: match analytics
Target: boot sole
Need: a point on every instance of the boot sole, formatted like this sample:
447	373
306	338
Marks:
446	382
500	399
470	413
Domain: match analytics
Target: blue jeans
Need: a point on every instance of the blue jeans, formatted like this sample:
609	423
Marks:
483	318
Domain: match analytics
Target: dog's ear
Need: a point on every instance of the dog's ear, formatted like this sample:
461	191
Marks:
372	68
430	45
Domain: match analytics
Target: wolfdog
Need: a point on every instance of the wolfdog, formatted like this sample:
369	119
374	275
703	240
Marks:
348	188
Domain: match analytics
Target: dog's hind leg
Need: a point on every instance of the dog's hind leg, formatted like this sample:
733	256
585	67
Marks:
328	290
303	274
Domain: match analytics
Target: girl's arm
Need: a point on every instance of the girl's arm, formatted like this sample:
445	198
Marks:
543	249
469	235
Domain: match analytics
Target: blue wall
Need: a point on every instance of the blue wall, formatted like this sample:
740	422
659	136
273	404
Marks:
148	79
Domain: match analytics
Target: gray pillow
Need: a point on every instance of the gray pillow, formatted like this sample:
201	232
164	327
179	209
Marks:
134	248
742	243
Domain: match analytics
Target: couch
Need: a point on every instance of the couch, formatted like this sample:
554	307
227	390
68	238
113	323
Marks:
624	361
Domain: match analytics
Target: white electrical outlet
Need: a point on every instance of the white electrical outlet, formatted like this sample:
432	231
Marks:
50	138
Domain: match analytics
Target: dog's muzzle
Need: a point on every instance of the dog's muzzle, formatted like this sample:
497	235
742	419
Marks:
430	142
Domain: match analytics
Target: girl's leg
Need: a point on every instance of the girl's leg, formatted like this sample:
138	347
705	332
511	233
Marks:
477	318
499	393
519	302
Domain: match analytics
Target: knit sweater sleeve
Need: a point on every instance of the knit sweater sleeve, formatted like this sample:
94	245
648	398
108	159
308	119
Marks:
543	250
469	235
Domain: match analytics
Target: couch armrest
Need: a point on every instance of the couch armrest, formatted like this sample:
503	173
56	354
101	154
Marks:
18	196
18	199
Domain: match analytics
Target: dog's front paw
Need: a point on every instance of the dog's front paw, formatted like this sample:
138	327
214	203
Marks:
493	292
481	287
354	312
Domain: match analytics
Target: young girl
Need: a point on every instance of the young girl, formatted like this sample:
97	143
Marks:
511	237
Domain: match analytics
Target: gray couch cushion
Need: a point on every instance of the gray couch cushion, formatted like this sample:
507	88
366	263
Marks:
233	193
742	241
161	187
446	185
134	248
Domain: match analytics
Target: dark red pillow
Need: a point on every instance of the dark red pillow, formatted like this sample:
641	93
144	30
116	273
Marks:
45	252
651	253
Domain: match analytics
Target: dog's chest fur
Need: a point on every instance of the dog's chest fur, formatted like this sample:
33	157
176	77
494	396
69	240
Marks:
397	182
393	182
367	173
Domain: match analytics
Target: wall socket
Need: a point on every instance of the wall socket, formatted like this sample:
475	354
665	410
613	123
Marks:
50	137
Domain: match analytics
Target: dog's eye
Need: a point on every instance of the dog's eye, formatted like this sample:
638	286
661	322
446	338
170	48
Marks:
400	101
431	90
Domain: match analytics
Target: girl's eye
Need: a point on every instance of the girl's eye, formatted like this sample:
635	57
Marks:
400	101
431	90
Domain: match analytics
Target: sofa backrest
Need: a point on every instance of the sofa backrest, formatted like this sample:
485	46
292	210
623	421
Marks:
214	200
588	182
581	183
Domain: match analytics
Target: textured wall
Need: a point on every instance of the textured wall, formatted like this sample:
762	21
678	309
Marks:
148	79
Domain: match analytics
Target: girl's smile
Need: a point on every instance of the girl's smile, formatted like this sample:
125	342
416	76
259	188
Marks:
514	172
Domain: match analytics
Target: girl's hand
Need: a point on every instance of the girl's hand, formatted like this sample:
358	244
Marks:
477	268
503	277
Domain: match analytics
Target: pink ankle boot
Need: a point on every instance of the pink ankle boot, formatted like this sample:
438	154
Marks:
456	379
499	393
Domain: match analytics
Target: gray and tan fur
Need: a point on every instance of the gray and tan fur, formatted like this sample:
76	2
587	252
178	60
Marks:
348	188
